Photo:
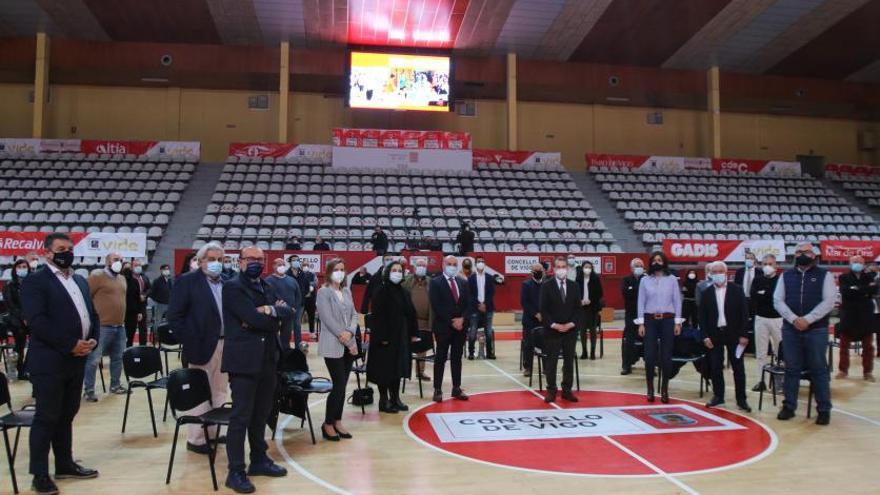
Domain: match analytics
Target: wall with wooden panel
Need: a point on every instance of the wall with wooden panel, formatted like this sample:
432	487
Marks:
16	112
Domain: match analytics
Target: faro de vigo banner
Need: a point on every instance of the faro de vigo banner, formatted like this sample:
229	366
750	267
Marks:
97	244
691	250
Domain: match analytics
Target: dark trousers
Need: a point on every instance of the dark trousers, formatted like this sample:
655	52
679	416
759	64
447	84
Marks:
553	342
450	345
339	369
20	335
528	348
252	400
591	319
716	364
132	325
664	331
628	344
806	350
309	306
57	401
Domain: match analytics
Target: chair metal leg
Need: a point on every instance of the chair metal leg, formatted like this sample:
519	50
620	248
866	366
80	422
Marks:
125	414
421	389
531	370
173	450
761	391
15	445
152	414
773	388
577	374
167	369
101	373
211	455
165	414
540	374
11	459
601	342
309	417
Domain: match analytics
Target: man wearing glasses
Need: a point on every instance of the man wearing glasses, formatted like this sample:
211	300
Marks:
804	298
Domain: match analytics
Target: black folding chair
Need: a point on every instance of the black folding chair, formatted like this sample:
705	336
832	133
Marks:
703	369
425	344
538	344
295	360
777	371
140	362
188	388
361	369
168	343
17	420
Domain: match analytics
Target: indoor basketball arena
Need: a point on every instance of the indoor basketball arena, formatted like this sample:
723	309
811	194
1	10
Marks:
372	247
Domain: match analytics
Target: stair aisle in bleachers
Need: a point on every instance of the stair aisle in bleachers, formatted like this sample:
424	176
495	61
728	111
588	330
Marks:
614	222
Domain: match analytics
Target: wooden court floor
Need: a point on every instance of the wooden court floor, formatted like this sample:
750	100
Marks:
385	457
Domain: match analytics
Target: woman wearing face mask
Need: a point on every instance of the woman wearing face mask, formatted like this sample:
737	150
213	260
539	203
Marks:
659	320
393	327
591	302
689	298
15	320
467	268
189	263
338	347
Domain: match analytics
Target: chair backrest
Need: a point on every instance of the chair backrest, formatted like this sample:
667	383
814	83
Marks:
5	396
294	360
187	388
166	335
141	361
537	334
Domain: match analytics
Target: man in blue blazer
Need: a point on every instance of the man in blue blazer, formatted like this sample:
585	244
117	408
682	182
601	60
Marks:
252	315
481	285
195	317
64	329
450	305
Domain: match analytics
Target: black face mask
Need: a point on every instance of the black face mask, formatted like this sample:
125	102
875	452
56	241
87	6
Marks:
63	260
656	267
538	275
803	260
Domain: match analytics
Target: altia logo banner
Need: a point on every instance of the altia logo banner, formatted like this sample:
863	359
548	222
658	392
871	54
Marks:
695	250
189	149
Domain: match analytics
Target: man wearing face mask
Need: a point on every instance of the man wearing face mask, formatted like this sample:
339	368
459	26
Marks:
160	293
561	313
374	283
744	277
723	317
135	302
320	245
805	297
630	291
450	305
299	275
857	290
310	295
465	240
195	316
417	286
379	240
33	260
482	288
108	290
287	288
252	315
768	323
63	324
530	302
228	272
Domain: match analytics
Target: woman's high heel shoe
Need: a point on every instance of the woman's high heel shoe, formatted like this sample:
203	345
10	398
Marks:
327	436
345	435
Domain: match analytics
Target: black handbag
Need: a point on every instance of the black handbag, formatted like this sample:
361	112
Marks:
362	396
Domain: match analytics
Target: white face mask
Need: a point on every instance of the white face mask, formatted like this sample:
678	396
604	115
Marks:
421	271
194	265
166	273
692	276
338	276
280	269
116	266
561	273
481	266
769	270
306	269
395	277
33	264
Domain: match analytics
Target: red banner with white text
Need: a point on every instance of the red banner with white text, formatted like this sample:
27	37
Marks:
856	170
515	158
670	164
21	243
842	250
317	152
400	139
695	250
189	149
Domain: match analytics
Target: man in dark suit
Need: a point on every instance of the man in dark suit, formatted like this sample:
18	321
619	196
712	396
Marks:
195	317
629	289
450	304
160	293
560	314
252	315
745	277
374	283
379	240
530	302
63	325
481	285
723	318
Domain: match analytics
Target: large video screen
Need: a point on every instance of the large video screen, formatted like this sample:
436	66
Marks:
399	82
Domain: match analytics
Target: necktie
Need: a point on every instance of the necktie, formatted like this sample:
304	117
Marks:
454	288
562	289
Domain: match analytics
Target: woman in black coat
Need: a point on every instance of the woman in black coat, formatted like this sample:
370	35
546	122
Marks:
592	305
393	326
15	321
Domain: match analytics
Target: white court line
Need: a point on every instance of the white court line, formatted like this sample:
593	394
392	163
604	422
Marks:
617	444
279	443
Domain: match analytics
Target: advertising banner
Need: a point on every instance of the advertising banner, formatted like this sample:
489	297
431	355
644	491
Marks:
317	152
686	250
515	158
842	250
857	170
402	159
401	139
15	145
670	164
98	244
189	149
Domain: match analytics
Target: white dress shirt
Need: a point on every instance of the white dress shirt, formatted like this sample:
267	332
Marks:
748	278
720	293
481	287
586	287
76	296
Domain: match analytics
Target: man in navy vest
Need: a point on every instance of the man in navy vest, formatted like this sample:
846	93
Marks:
804	298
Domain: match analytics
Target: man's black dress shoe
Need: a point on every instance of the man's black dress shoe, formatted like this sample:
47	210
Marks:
75	471
238	482
44	485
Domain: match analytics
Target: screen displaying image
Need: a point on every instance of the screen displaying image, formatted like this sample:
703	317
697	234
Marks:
399	82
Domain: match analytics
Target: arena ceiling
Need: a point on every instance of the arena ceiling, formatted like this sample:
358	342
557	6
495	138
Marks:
826	39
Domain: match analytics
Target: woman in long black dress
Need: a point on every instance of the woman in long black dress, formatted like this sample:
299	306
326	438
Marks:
393	326
15	319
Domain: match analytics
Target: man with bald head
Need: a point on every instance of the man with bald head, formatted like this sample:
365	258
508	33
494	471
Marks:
450	303
108	290
252	316
857	291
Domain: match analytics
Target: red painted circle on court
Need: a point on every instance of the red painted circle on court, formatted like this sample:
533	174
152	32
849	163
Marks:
604	434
